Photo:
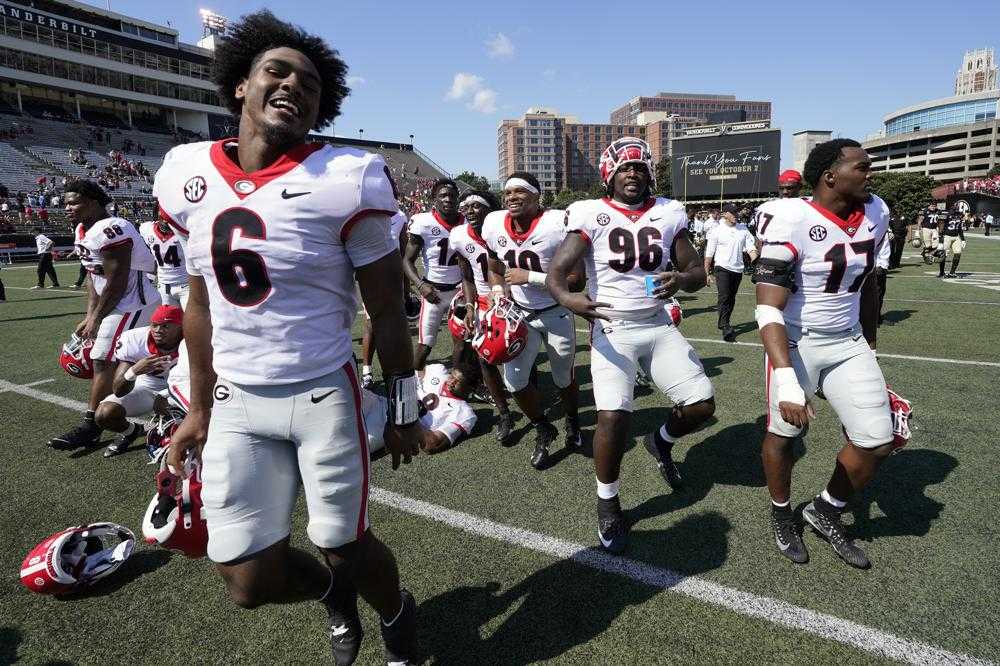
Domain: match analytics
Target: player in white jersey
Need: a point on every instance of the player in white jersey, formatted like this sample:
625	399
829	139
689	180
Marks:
397	229
144	358
120	295
521	242
816	307
473	259
445	411
427	236
278	231
168	251
627	240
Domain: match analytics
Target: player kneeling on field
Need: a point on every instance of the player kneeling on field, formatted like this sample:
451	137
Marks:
444	408
145	356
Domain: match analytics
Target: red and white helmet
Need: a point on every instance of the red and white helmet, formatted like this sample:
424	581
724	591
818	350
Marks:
901	410
159	430
175	517
76	557
75	357
622	151
456	318
502	333
675	312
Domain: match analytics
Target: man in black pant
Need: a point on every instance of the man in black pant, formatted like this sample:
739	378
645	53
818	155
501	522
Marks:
45	267
725	247
899	228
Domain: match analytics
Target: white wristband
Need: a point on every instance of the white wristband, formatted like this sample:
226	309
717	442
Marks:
129	375
497	289
536	278
787	386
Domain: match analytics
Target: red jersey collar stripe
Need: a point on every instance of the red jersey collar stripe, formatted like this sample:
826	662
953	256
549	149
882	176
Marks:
633	215
444	223
232	173
849	226
474	235
518	237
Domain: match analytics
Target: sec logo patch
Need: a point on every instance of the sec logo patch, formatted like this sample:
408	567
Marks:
435	231
817	233
194	189
502	242
604	219
470	248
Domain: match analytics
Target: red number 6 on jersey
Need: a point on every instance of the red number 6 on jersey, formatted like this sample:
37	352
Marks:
241	274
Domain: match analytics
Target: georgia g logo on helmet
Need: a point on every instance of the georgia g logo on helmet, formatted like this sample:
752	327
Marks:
622	151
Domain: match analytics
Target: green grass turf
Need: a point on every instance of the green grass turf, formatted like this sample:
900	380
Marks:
925	521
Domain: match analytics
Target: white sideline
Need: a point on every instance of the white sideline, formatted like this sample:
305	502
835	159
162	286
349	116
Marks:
58	290
778	612
928	359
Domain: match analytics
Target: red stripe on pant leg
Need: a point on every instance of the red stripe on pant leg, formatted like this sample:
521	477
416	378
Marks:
114	338
363	440
420	326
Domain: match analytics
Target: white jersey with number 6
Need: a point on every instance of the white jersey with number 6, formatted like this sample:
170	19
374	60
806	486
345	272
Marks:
273	247
167	251
440	264
532	250
832	258
625	246
105	235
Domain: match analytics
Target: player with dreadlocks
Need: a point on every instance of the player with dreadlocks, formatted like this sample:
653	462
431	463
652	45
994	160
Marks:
277	231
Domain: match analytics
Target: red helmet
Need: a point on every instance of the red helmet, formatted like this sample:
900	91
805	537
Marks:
675	312
502	333
175	517
75	357
456	317
622	151
901	411
76	557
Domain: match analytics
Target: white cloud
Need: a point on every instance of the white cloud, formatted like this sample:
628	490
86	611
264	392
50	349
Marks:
471	88
355	80
500	47
549	73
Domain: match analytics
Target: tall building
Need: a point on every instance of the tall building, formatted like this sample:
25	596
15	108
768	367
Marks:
803	142
558	149
978	72
692	105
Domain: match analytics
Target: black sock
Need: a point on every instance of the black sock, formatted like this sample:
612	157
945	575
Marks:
954	263
941	269
134	430
88	417
662	445
782	511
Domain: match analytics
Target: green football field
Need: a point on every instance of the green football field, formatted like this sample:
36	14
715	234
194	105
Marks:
501	558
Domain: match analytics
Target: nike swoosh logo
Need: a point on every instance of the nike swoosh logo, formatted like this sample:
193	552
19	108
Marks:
871	227
285	194
536	242
320	398
604	543
654	219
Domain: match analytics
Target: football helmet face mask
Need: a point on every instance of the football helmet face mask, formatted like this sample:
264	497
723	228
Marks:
159	430
502	333
76	558
901	411
623	151
456	318
75	357
175	517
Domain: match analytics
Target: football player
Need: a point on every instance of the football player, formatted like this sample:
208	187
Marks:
521	242
929	232
168	251
817	314
630	241
145	356
278	231
397	227
120	296
473	259
951	239
428	236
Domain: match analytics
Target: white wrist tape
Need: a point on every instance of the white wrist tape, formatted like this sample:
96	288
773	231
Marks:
768	314
129	375
497	289
787	386
403	400
536	278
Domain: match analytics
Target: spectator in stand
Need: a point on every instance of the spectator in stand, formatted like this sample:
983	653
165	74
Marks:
44	246
43	216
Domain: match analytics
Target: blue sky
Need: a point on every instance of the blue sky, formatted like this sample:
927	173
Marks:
837	66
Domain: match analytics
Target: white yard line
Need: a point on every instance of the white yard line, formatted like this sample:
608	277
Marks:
905	300
748	604
78	292
928	359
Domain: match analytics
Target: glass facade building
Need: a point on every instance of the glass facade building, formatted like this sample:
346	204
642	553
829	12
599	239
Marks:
961	112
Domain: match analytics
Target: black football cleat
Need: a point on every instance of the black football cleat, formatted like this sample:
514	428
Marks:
345	630
664	463
574	436
612	529
85	435
545	434
400	637
826	522
505	423
123	441
787	537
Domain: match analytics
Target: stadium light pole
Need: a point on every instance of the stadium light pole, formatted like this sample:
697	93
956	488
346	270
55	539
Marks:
361	133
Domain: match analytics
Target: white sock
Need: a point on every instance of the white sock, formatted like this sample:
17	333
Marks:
366	369
781	505
666	435
830	499
402	605
608	490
